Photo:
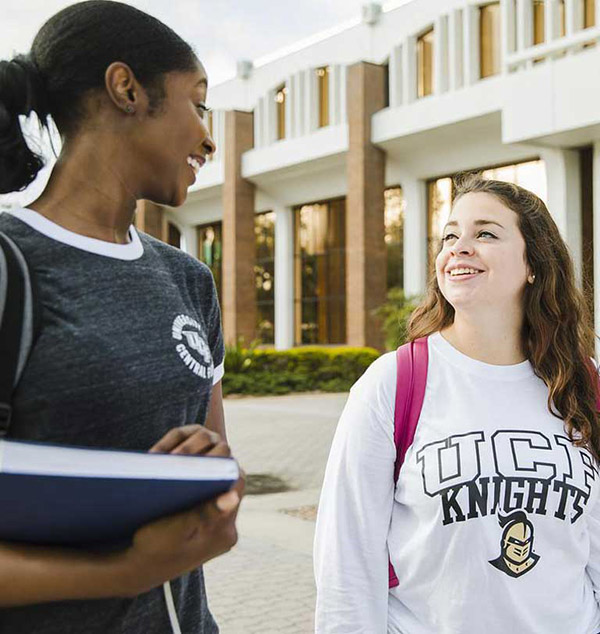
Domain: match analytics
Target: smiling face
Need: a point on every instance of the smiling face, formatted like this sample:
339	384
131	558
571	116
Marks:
482	263
173	144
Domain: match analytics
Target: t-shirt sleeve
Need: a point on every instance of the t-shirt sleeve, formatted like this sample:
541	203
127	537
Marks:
351	554
215	331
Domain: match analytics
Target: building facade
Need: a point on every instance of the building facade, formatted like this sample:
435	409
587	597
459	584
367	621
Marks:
332	177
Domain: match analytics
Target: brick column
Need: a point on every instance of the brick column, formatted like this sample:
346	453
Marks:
365	246
239	292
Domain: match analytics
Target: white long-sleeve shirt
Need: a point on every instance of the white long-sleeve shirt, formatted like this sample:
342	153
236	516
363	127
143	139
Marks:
493	526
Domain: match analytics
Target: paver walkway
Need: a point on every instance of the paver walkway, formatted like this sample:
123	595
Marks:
265	585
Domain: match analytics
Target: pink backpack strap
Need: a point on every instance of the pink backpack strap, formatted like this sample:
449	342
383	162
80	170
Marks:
411	379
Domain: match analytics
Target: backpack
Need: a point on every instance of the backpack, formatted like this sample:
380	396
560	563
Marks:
411	378
20	320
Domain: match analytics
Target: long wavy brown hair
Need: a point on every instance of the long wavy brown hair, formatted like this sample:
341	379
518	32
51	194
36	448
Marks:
557	334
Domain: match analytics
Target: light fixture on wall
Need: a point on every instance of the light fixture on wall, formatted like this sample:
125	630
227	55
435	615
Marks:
371	13
244	68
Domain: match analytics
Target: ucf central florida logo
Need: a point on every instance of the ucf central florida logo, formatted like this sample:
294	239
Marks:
534	474
192	347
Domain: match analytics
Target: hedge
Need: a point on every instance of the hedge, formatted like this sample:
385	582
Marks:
267	371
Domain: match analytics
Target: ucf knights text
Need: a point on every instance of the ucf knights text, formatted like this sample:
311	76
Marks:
534	472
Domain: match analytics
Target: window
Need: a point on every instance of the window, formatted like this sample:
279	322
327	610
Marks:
280	99
320	272
531	175
425	64
539	17
489	40
394	236
386	85
173	235
264	272
589	18
562	18
210	249
323	81
589	13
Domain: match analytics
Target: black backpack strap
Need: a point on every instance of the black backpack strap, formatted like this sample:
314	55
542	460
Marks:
18	320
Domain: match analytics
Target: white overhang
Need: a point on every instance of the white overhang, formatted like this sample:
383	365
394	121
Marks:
399	126
554	103
287	155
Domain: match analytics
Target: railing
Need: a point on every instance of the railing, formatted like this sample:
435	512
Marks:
301	106
456	63
551	50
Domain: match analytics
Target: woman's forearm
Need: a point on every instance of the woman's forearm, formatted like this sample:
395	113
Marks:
34	574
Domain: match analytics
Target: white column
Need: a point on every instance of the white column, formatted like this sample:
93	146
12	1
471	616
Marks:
455	49
471	44
311	101
259	121
551	20
343	94
335	91
596	188
219	131
440	53
507	30
190	241
574	20
270	119
524	24
564	198
573	16
409	70
395	78
415	236
290	119
299	105
284	278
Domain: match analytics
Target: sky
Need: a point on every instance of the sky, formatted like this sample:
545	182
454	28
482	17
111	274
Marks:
221	31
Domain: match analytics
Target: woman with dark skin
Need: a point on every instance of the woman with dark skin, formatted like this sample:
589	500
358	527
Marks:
128	98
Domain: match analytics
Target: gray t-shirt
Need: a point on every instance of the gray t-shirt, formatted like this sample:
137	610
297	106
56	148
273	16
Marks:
129	348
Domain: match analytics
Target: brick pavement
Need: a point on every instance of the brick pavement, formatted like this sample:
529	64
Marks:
265	585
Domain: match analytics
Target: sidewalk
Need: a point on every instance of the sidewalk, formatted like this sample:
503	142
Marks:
265	585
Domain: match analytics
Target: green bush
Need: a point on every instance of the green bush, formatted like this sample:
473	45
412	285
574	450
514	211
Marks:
394	315
266	371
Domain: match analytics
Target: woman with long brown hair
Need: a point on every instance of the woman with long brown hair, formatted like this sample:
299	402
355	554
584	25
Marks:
493	523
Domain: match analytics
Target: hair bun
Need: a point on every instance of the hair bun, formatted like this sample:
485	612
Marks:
22	89
21	93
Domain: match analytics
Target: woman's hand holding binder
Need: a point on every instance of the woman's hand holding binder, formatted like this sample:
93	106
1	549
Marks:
174	545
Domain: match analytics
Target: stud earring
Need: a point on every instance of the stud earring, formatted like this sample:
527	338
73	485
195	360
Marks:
531	279
129	109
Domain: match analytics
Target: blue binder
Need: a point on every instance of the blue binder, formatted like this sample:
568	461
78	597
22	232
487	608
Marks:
71	496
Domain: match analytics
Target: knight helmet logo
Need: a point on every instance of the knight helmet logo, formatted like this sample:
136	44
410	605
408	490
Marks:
517	556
